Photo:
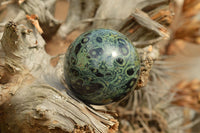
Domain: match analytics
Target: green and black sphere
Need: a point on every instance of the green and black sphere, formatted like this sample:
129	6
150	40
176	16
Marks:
101	66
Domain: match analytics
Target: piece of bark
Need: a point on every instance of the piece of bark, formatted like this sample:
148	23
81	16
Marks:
33	98
136	15
107	17
43	9
147	26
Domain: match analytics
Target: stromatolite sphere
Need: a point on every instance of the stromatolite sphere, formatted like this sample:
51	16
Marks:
101	66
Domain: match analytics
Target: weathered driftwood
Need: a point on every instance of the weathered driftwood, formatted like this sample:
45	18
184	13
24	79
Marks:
44	11
33	98
109	14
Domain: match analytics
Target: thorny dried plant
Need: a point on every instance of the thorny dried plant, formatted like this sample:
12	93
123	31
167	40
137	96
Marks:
186	27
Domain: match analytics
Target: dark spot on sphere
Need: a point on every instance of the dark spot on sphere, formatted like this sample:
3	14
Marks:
94	87
77	49
120	60
96	72
85	40
121	41
81	89
130	71
77	85
74	72
73	60
79	82
93	69
94	53
108	74
99	39
88	56
130	83
86	65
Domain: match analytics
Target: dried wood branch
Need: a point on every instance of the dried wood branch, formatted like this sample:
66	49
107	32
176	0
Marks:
44	10
47	21
30	101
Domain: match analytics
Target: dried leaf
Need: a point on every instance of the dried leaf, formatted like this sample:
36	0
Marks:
34	20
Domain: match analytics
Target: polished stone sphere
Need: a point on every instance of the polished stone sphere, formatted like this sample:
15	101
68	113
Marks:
101	66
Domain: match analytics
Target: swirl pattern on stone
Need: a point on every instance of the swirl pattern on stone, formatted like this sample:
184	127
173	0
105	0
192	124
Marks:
101	66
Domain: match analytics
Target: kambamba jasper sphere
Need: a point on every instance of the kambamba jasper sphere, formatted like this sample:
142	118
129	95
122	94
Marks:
101	66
